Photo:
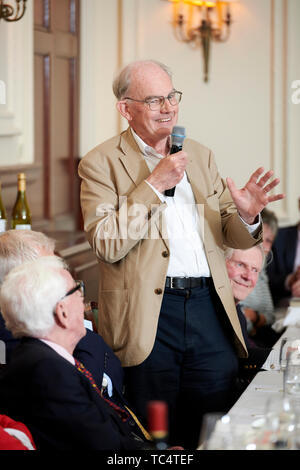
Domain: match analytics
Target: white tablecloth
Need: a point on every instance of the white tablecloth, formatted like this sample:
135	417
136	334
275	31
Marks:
251	405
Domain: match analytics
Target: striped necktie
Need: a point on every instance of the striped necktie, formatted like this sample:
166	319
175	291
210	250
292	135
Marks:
124	415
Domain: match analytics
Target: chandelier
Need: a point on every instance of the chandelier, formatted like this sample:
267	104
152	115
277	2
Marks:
13	12
200	22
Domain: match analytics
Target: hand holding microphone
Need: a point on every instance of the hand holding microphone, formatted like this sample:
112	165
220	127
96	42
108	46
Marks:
170	169
178	136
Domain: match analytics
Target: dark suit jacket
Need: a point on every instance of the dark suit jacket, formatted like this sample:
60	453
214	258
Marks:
256	355
58	404
91	350
7	337
284	252
98	358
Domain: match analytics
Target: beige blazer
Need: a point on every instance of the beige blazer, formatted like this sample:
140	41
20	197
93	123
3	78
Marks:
124	222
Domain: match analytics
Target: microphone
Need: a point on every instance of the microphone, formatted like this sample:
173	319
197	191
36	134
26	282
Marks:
178	136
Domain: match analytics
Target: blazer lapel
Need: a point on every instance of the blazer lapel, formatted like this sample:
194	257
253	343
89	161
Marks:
133	162
137	169
195	177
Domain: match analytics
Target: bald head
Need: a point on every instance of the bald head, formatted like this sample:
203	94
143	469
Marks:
135	71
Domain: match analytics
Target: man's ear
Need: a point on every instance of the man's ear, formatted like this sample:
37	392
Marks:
122	107
61	315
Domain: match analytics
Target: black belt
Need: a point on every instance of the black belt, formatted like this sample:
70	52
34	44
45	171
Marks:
187	282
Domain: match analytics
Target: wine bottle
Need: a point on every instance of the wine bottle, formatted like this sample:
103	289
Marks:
157	412
21	217
3	219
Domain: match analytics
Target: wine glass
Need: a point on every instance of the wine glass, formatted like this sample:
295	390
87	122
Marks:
286	348
216	432
292	376
280	424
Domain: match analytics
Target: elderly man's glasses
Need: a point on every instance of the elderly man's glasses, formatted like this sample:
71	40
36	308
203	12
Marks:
156	102
79	286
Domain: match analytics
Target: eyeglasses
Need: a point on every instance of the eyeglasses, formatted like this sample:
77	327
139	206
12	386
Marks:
79	286
156	102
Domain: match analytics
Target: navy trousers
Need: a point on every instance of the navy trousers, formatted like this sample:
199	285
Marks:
192	366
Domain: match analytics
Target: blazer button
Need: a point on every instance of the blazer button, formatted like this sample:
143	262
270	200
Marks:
165	254
158	291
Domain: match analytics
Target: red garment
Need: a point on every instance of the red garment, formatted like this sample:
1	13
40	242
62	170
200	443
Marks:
9	442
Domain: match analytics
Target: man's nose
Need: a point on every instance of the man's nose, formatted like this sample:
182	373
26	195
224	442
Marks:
166	106
247	274
251	277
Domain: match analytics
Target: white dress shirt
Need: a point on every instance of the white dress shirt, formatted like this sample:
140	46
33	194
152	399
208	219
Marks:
184	223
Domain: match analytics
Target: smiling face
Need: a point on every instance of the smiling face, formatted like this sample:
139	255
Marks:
243	270
153	127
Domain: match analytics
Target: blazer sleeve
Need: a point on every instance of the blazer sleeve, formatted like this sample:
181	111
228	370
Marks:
235	232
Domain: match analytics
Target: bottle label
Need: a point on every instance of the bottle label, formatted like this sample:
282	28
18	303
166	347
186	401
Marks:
2	225
23	227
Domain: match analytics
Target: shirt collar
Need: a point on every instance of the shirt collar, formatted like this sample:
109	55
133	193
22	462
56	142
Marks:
60	350
146	150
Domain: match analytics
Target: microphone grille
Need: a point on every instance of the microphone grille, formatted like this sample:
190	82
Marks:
178	135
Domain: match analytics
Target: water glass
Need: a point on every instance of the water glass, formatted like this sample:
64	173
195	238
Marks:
216	432
280	424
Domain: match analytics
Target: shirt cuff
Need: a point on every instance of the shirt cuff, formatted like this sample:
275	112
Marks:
158	193
252	228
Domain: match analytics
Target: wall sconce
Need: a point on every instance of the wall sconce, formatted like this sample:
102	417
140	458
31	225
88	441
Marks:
10	13
198	22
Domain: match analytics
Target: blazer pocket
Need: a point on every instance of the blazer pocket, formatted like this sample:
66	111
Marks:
212	207
212	198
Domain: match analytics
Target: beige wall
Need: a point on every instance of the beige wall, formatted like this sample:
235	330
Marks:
16	72
245	112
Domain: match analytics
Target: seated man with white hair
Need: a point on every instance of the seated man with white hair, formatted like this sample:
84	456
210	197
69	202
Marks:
243	268
19	246
43	385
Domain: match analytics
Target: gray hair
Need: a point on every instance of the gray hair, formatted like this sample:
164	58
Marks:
269	218
29	294
122	81
228	252
19	246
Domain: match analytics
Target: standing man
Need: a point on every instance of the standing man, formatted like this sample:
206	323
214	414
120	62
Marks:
165	301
